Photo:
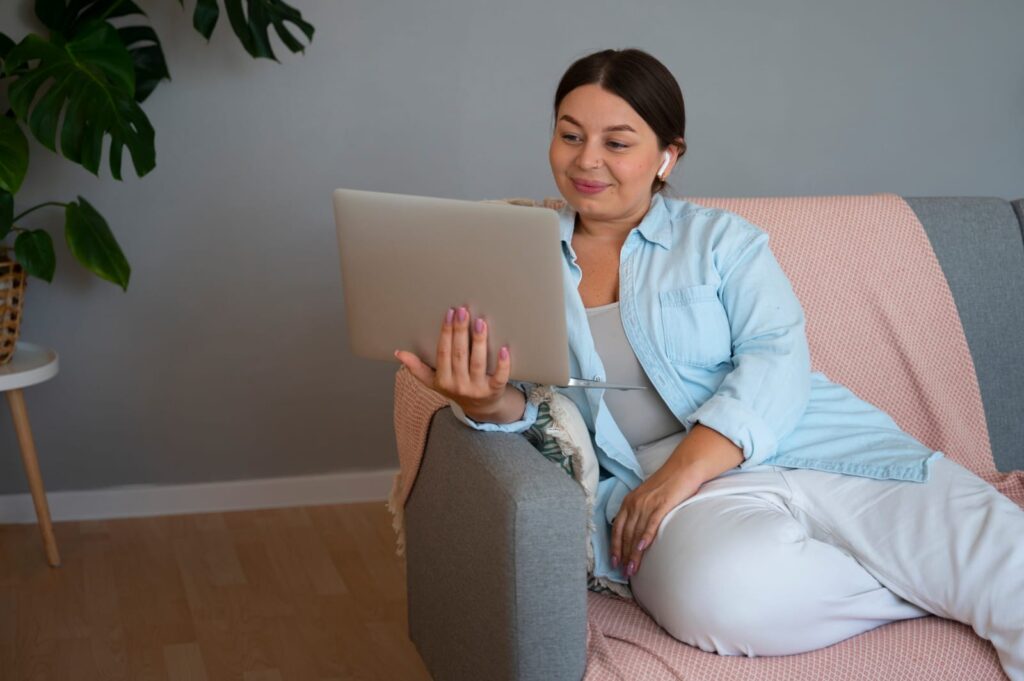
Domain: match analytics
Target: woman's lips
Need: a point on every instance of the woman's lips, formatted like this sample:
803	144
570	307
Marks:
589	187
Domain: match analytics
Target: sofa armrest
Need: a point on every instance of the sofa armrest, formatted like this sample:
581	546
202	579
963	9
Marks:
496	559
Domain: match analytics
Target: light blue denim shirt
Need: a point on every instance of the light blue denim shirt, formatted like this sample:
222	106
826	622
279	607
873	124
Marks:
715	324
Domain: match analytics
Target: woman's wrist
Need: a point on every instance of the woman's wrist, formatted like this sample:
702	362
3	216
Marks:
509	408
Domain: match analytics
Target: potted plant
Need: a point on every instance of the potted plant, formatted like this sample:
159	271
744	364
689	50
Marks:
78	84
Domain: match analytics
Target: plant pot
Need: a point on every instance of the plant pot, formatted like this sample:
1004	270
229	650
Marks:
12	293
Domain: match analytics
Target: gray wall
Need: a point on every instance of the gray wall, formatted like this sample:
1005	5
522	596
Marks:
227	358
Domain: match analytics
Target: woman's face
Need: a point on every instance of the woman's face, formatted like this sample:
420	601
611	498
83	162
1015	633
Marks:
604	156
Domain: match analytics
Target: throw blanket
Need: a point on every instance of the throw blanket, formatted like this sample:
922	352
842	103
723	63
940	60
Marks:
884	324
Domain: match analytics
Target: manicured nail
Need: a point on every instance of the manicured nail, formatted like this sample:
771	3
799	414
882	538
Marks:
615	562
642	544
630	569
479	326
503	353
463	314
449	315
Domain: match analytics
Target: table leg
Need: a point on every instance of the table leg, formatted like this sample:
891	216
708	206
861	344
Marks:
16	400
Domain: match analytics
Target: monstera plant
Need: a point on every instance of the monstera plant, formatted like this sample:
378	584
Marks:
83	82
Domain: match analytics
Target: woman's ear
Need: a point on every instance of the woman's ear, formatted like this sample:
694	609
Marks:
673	152
680	146
667	159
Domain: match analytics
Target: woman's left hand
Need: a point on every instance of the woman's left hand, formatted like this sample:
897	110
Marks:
643	509
703	454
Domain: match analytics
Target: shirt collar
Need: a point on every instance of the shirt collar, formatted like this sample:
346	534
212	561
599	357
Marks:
655	226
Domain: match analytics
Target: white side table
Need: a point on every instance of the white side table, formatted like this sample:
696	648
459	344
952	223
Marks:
30	364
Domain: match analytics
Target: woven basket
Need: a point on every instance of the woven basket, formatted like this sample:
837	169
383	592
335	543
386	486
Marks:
12	293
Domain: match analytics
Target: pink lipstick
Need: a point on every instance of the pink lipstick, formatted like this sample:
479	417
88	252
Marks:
585	187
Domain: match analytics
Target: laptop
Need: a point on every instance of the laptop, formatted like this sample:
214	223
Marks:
406	259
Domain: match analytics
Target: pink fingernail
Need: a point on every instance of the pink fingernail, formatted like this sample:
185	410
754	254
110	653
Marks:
463	314
615	562
503	353
479	326
630	569
641	545
449	315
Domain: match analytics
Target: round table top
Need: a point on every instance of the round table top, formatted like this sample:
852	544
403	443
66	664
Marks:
30	364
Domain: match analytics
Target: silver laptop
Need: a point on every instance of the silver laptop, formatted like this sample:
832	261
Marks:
406	259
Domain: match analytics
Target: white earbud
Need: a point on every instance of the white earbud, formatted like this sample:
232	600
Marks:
661	171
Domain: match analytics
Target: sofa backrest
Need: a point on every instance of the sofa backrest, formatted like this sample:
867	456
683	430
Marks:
978	242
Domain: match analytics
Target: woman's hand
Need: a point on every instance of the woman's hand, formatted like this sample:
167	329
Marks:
643	509
703	454
461	373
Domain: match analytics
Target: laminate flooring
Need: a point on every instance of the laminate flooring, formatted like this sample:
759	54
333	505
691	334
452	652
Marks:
311	594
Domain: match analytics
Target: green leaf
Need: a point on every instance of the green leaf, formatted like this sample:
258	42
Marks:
6	213
83	11
90	79
205	16
5	46
52	13
93	244
147	56
251	25
141	41
67	17
13	155
240	25
34	250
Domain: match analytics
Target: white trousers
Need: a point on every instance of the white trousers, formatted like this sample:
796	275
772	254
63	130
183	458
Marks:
775	561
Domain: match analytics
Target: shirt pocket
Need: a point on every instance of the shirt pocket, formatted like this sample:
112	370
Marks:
695	326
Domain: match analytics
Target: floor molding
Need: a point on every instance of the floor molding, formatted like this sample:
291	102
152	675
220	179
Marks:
208	497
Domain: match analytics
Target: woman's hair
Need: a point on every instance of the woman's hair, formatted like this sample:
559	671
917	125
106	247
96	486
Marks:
643	82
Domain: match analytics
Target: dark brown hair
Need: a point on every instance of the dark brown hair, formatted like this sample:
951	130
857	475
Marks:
644	82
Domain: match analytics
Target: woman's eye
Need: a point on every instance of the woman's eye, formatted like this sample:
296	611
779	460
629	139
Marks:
617	145
569	137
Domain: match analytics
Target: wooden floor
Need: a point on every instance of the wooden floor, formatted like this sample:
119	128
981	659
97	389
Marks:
311	593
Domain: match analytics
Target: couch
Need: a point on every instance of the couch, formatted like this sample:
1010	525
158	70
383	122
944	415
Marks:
496	589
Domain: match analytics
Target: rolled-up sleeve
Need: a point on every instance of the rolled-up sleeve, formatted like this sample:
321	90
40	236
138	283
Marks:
762	399
522	425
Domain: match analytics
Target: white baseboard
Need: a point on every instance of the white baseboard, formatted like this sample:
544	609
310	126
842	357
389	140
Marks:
207	497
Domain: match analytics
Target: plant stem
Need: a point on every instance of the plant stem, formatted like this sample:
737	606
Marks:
48	203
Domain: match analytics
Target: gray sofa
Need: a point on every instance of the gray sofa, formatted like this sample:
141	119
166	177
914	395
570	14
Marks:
496	586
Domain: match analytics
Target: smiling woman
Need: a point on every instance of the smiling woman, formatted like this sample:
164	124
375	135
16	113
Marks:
620	126
731	493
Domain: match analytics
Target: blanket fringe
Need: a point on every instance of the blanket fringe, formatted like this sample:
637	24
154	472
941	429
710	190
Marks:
559	431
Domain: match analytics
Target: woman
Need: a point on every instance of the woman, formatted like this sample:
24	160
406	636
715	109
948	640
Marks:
755	507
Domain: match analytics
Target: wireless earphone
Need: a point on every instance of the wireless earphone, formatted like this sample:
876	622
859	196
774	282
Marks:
661	170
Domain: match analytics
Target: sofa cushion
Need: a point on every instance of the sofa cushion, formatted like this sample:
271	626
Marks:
978	244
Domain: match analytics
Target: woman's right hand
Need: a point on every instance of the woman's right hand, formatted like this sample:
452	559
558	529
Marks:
461	373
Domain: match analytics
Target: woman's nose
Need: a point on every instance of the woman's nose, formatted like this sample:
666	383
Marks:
590	157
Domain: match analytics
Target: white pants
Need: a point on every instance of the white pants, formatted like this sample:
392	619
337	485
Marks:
775	561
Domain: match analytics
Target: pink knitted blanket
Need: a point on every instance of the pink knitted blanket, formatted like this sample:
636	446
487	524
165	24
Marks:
883	323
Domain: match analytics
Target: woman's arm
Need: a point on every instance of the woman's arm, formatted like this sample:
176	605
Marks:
757	404
703	454
762	399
